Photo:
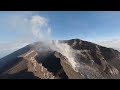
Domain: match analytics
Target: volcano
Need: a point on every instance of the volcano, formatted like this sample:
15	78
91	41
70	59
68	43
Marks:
94	62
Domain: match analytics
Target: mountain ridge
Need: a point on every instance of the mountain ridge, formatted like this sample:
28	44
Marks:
95	62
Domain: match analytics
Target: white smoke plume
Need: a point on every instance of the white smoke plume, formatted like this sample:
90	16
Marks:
41	31
38	25
36	28
26	28
67	51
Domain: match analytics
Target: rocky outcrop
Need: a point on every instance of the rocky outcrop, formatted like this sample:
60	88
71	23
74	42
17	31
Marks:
30	65
36	68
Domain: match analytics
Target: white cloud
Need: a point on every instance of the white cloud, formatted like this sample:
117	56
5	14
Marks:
115	43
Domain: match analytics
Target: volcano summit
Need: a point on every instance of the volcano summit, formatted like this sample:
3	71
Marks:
68	59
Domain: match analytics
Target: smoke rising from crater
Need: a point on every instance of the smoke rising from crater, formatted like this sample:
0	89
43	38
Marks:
37	29
67	51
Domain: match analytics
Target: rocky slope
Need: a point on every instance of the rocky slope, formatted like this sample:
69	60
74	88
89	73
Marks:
95	62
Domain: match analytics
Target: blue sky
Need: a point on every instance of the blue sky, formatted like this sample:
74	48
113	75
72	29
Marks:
19	28
87	25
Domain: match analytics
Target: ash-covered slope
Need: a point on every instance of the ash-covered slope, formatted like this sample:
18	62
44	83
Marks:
100	59
94	62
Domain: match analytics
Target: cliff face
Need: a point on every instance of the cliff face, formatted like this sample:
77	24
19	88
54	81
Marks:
95	62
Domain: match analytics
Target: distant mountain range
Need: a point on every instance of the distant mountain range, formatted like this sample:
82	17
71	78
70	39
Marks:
93	62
